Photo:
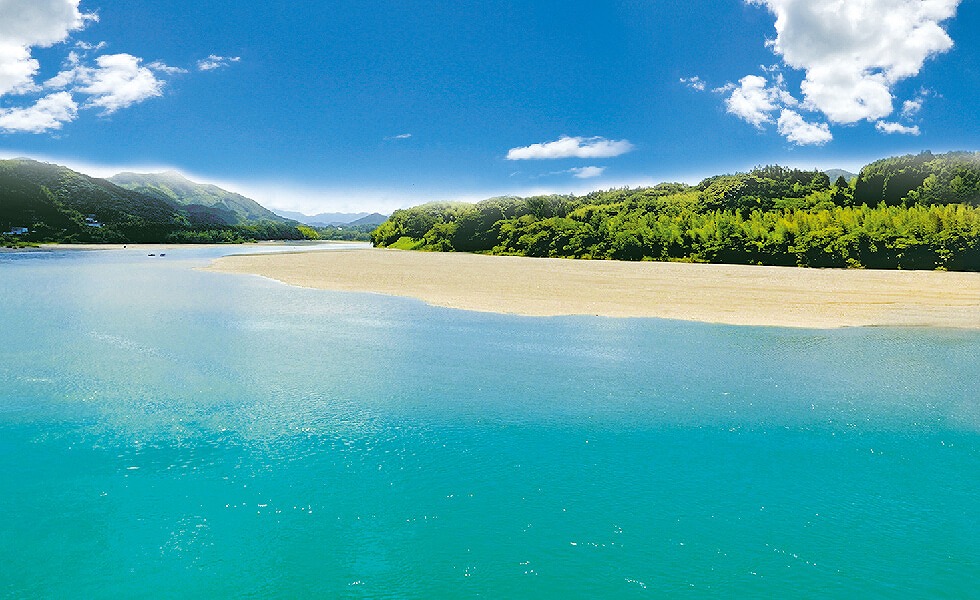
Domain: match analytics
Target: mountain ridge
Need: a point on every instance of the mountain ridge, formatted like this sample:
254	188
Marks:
204	201
56	203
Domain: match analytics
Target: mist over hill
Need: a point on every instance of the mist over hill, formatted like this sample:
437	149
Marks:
55	203
335	218
205	203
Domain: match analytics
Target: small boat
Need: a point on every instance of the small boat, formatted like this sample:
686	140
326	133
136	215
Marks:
151	254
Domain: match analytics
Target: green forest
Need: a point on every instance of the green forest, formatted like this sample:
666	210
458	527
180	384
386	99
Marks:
57	204
908	212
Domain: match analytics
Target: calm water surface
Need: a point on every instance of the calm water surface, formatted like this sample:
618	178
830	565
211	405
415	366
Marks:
170	432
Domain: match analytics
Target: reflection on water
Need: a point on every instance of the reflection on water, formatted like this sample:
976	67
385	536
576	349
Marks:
202	434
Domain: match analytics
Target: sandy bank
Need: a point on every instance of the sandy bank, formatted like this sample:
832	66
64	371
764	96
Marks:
733	294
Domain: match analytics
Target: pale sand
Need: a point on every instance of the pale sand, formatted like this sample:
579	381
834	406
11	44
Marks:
733	294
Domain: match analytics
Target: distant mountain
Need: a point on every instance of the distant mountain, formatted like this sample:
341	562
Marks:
371	219
55	203
835	173
52	198
203	203
325	219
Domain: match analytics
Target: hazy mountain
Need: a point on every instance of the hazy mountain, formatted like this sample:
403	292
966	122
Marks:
371	219
56	203
203	203
325	219
835	173
53	197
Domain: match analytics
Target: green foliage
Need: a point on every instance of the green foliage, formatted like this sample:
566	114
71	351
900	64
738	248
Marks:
772	215
53	202
349	233
308	232
406	243
759	189
921	179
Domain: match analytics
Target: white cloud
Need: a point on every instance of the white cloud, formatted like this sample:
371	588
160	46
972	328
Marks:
165	68
572	147
17	69
90	47
400	136
854	52
910	108
794	128
586	172
111	82
47	114
695	83
752	100
116	82
214	61
889	127
25	25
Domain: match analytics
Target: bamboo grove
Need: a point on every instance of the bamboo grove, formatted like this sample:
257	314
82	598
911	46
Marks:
909	212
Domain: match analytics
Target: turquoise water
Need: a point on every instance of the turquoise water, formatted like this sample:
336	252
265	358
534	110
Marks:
170	432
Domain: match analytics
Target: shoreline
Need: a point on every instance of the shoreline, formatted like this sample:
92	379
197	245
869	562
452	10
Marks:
49	246
725	294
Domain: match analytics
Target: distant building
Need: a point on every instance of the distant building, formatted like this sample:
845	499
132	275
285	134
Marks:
92	222
17	231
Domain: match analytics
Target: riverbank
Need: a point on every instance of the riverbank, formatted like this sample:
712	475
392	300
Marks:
731	294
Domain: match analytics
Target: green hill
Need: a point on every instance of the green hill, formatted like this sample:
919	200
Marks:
908	212
56	203
202	203
833	174
371	219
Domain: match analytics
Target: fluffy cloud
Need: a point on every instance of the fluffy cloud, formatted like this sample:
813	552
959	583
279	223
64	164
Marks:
572	147
118	81
854	52
755	100
108	82
889	127
794	128
752	100
24	25
214	61
48	113
586	172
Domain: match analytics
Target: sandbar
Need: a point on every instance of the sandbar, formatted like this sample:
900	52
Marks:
729	294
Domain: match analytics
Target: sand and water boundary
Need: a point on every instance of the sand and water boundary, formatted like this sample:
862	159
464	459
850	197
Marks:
730	294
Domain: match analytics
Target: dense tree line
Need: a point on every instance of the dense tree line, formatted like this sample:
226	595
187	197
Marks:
347	233
910	212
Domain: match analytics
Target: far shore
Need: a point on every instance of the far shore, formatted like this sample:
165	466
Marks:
171	246
729	294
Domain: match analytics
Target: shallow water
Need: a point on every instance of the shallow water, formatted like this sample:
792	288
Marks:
172	432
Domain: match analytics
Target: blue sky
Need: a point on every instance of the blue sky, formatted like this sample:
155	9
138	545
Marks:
372	105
